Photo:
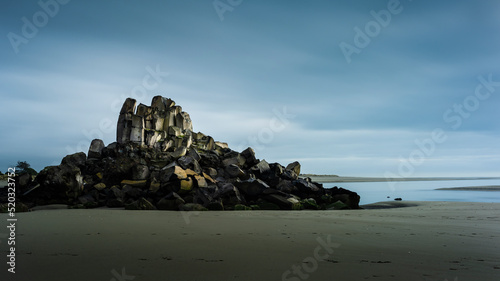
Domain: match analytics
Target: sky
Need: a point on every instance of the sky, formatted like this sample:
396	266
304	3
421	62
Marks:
355	88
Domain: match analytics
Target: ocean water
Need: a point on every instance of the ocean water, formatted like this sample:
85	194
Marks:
372	192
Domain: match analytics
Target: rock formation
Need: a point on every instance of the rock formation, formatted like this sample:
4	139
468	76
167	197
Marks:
158	162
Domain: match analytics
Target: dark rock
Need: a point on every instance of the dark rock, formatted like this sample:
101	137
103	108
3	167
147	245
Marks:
283	202
237	160
310	204
261	168
351	199
86	199
171	173
141	204
289	175
305	187
116	171
249	155
202	196
23	180
140	172
115	197
75	160
266	205
61	184
294	167
211	172
188	162
233	171
252	187
170	202
95	150
194	154
215	206
286	186
210	159
179	152
229	194
132	192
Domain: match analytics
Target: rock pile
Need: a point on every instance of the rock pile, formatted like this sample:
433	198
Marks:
158	162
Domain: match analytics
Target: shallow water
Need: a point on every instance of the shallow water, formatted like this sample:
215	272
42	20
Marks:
372	192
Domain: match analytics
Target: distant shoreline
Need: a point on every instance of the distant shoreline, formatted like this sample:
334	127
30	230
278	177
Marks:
473	188
333	178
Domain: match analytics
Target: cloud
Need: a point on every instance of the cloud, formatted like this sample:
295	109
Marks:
350	118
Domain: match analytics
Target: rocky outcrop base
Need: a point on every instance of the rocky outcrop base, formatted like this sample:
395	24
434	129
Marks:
159	163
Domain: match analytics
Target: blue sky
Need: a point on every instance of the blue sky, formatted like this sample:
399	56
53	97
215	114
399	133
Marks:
271	75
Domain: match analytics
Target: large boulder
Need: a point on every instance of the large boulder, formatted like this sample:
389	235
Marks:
95	149
252	187
61	184
283	201
173	172
75	160
115	197
229	195
171	202
261	168
294	167
306	188
249	155
349	198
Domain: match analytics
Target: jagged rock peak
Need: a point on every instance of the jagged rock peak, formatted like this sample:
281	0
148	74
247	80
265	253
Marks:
155	126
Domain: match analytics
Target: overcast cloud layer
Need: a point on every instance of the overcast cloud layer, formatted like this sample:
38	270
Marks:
336	85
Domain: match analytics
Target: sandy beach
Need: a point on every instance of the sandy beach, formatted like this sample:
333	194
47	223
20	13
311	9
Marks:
426	241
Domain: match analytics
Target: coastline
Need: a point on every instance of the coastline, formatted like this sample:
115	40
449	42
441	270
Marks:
424	241
473	188
329	179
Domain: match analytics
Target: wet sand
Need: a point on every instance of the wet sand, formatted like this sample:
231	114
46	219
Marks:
426	241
